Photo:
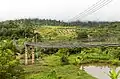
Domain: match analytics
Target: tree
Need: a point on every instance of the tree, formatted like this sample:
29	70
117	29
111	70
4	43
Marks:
82	35
9	66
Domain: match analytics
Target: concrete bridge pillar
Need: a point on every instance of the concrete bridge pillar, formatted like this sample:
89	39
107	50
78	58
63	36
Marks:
33	55
26	55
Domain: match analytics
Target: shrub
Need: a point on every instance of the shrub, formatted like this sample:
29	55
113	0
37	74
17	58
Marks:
64	60
82	35
9	66
113	74
78	60
63	51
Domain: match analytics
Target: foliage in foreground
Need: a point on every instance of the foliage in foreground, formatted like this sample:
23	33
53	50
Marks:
113	74
9	65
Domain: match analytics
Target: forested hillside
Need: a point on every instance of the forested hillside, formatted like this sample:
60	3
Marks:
27	28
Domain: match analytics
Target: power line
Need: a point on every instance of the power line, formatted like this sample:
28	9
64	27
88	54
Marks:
92	9
94	5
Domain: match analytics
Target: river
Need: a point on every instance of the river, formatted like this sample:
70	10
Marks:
100	72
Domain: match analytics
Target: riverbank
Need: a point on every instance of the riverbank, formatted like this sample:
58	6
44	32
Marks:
50	68
61	72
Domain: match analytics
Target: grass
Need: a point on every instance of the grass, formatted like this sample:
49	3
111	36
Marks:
52	63
66	72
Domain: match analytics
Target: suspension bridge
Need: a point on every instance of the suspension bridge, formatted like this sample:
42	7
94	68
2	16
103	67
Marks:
95	7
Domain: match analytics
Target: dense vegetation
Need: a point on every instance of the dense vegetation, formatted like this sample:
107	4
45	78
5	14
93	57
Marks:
56	63
27	28
9	65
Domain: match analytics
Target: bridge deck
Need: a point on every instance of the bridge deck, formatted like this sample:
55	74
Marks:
72	45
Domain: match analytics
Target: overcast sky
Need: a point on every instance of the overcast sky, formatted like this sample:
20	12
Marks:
56	9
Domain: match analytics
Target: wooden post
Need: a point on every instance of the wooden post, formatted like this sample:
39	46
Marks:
26	52
33	55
